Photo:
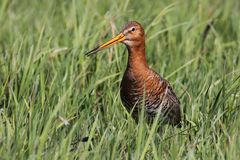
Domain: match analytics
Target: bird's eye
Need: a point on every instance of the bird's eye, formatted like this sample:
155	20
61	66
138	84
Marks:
133	29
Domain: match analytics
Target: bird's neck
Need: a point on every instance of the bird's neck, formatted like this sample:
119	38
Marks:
136	57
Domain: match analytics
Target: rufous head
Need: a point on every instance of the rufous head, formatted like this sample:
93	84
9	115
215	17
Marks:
131	35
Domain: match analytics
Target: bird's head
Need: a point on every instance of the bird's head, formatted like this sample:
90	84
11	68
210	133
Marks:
131	35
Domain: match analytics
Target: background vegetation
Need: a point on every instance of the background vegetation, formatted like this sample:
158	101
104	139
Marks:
52	96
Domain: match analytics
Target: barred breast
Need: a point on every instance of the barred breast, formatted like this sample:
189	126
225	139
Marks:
152	91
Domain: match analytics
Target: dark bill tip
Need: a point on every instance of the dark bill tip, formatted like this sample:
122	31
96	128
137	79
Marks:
92	52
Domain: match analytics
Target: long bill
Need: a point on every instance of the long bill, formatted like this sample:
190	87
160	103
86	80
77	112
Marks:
118	38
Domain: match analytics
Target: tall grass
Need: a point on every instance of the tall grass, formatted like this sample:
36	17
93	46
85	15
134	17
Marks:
52	96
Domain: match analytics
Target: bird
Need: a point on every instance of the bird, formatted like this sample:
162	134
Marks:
142	87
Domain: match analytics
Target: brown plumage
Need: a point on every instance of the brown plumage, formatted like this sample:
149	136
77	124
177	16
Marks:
140	84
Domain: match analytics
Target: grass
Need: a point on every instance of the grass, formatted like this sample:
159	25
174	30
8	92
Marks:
52	96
